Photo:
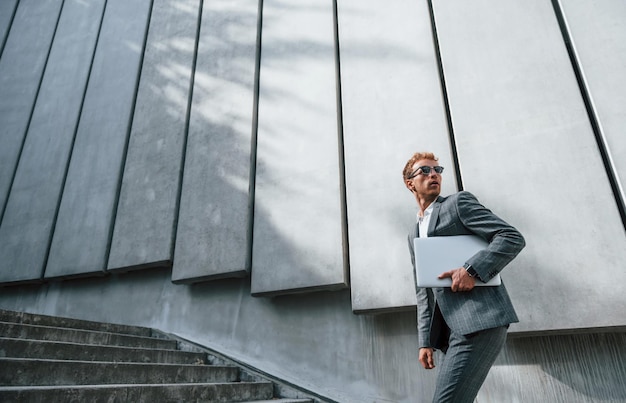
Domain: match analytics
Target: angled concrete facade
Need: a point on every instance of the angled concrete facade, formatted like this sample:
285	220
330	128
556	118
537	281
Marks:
147	207
229	171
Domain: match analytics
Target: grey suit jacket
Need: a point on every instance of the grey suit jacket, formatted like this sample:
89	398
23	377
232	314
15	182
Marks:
483	307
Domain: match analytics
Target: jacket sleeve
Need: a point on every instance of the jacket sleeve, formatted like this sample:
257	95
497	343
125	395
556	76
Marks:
505	242
425	302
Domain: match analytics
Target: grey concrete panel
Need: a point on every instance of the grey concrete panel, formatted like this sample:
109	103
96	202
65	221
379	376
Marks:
7	11
144	225
26	228
392	107
298	237
83	228
21	68
527	151
213	235
598	31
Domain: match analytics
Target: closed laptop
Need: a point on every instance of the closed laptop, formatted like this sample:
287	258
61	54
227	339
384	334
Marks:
436	255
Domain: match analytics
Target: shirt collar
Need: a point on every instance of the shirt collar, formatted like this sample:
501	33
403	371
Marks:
427	212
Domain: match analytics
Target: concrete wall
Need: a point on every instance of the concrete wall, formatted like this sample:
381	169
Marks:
264	142
523	134
314	340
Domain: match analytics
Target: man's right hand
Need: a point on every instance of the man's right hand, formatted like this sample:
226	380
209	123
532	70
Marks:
461	280
427	357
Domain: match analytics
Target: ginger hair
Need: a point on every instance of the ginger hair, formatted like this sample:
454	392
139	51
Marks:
408	168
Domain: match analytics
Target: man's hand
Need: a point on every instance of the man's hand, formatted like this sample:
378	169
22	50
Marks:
461	280
426	358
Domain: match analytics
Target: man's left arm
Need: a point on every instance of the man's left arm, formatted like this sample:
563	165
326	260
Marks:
505	242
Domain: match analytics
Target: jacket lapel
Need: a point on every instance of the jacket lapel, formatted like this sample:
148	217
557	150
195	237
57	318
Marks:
434	216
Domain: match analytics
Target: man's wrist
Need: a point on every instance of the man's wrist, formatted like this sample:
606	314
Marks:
470	270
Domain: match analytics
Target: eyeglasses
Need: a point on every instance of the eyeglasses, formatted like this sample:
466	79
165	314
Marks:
425	171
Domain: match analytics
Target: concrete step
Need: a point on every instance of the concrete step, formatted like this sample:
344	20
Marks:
24	371
197	392
26	348
51	359
54	321
36	332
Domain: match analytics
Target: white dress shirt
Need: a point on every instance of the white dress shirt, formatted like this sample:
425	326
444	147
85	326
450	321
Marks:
424	221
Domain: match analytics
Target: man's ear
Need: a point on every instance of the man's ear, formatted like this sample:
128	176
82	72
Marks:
409	185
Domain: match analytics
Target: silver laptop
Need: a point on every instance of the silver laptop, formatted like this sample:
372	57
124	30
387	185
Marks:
436	255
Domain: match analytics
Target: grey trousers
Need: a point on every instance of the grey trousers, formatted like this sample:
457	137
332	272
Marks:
467	363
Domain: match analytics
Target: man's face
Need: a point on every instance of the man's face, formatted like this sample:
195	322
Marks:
425	185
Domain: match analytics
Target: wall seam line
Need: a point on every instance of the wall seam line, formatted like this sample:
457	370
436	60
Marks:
341	150
32	111
8	30
71	151
254	138
183	157
594	119
444	94
129	128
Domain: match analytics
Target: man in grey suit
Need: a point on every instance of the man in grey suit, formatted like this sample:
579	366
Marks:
468	324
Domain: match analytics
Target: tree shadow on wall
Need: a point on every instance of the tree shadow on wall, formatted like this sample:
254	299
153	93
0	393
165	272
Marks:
214	233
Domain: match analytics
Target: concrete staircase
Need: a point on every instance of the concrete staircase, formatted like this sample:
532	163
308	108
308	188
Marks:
52	359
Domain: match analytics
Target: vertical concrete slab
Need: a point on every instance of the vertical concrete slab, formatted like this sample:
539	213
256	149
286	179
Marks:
598	31
144	225
26	228
298	242
527	151
213	237
7	11
81	237
21	68
392	107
